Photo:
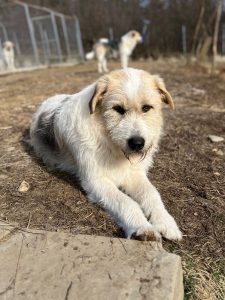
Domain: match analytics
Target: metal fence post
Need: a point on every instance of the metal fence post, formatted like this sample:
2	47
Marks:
17	48
46	39
65	33
79	40
223	38
32	34
4	31
40	27
1	55
17	45
111	35
55	30
184	41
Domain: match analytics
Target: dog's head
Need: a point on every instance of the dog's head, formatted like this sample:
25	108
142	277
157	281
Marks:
136	36
129	103
8	45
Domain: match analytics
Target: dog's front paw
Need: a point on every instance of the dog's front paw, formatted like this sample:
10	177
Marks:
147	233
167	226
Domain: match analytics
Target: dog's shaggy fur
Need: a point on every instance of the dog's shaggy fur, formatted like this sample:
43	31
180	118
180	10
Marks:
107	135
8	55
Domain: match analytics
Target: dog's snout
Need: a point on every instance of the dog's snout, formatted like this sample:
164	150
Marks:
136	143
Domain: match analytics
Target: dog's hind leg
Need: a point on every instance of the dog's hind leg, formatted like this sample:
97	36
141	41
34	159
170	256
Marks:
104	64
124	60
126	211
100	68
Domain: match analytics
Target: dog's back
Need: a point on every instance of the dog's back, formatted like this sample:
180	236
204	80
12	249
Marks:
42	131
53	117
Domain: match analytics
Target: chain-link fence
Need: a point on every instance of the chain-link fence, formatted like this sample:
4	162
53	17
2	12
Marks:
40	35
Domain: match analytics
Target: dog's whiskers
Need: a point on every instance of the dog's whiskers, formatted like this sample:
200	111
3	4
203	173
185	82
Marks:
144	154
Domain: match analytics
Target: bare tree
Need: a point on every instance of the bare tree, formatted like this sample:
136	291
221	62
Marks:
198	26
216	31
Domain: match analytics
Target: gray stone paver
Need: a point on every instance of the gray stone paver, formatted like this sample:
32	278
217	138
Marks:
52	265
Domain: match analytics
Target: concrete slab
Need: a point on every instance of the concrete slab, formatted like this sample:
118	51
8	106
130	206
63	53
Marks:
49	265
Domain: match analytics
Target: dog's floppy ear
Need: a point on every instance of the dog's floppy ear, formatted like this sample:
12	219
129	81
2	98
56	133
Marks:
100	90
165	95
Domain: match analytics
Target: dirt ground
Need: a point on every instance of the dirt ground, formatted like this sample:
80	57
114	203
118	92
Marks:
188	171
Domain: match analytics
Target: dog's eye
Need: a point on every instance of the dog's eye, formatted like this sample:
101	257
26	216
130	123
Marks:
146	108
119	109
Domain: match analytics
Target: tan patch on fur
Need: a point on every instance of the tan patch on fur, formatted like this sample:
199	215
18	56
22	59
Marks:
135	35
100	90
100	50
8	44
147	236
166	97
107	83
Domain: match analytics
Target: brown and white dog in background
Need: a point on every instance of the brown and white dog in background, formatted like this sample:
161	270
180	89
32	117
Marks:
103	48
9	55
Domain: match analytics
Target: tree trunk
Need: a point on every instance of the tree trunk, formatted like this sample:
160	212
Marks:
204	49
216	31
198	26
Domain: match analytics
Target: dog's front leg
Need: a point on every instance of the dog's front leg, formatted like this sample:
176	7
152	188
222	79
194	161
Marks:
126	211
124	61
149	199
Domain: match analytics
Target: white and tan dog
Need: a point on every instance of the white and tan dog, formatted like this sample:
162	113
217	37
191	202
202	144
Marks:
127	45
9	55
102	50
107	135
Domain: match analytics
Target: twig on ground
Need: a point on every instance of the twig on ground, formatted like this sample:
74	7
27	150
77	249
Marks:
19	228
28	224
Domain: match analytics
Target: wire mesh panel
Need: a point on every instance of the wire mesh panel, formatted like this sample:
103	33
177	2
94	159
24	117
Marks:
14	28
45	40
40	36
76	47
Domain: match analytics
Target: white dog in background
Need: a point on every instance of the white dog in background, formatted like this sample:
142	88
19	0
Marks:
9	55
102	49
107	135
127	45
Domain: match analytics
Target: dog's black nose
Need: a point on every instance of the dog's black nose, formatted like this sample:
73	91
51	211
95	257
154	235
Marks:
136	143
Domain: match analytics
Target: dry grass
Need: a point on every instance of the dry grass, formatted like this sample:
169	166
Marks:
203	279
